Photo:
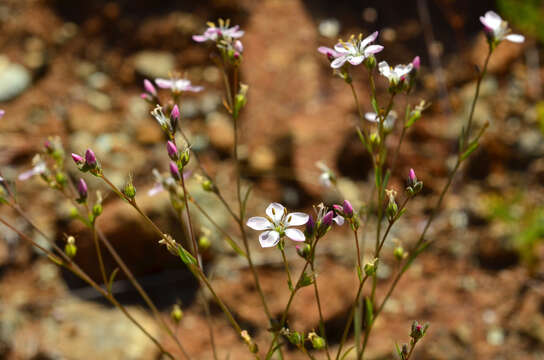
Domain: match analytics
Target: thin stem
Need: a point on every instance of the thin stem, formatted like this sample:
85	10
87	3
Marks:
356	238
210	325
99	254
477	94
286	265
190	225
321	318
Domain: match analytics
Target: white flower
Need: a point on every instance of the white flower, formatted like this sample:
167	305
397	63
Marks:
277	224
355	51
39	168
163	121
177	85
394	75
389	120
498	28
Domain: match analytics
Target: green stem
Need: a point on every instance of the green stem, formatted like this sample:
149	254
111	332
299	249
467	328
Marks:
321	318
99	254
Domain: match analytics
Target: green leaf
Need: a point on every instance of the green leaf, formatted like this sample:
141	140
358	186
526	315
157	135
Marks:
347	352
473	146
112	277
360	274
186	256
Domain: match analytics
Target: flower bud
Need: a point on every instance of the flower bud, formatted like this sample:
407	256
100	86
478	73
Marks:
70	248
327	219
176	314
208	185
78	159
398	253
174	171
370	62
253	348
148	86
418	331
412	179
129	190
416	63
310	227
370	268
338	209
347	208
204	243
240	99
82	190
172	151
174	116
303	250
318	343
90	158
97	210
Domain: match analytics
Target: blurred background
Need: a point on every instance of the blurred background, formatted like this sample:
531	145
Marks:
75	70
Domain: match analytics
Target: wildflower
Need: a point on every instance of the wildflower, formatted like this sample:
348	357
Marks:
215	33
78	159
277	224
327	177
389	120
394	75
39	168
416	63
90	158
356	50
414	185
150	91
497	29
163	121
172	151
177	85
174	171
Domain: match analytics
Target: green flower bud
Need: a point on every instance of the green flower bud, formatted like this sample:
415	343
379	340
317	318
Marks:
97	210
318	342
398	253
129	190
204	243
70	248
176	314
370	268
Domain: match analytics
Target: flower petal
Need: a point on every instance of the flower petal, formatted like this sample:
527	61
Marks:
384	69
157	188
200	38
338	62
275	212
491	20
295	234
194	88
372	117
339	220
269	239
515	38
356	60
27	174
259	223
164	83
296	219
373	49
370	38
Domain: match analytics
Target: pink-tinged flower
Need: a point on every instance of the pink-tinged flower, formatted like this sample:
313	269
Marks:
39	167
498	29
277	224
177	85
2	113
394	75
78	159
412	176
223	31
389	120
331	53
356	50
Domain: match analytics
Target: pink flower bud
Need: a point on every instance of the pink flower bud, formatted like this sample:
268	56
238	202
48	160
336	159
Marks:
412	176
310	225
348	209
172	150
338	209
148	86
82	189
416	63
327	219
174	171
77	159
48	146
90	158
174	115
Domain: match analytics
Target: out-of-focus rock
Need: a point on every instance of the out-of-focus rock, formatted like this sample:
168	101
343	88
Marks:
220	131
14	79
154	64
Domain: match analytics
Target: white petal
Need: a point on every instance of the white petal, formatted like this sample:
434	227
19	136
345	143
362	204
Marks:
356	60
325	180
515	38
373	49
492	20
368	40
295	234
384	69
200	38
27	174
339	220
296	219
338	62
163	83
157	188
269	239
370	116
275	212
195	88
259	223
345	48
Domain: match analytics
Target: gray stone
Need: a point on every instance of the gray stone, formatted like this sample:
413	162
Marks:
154	64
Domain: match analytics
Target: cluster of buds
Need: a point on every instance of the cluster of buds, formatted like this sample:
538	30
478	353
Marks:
418	331
323	223
346	212
392	208
87	163
70	249
252	346
226	39
414	185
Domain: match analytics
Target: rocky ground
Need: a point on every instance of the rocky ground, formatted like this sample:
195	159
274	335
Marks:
76	71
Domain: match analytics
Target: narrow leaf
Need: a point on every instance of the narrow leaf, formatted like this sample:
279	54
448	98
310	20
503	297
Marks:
473	146
112	277
186	256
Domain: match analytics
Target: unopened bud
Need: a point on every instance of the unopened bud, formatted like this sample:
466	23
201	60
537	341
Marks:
185	156
253	348
412	179
327	219
398	253
70	248
97	210
318	342
172	150
176	314
82	190
204	243
207	185
310	227
370	268
240	99
148	86
370	62
174	116
129	190
418	330
174	171
90	158
78	159
347	208
303	250
416	63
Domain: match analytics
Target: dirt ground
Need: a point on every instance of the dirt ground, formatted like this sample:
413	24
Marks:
480	284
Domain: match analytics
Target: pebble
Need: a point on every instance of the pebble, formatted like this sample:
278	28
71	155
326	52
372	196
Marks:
154	64
329	28
14	79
